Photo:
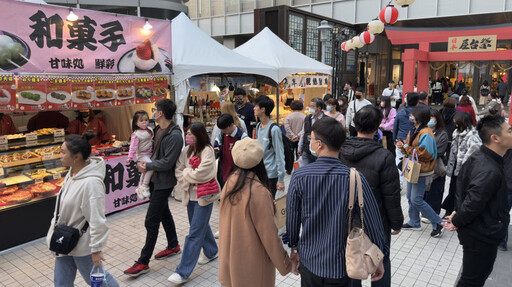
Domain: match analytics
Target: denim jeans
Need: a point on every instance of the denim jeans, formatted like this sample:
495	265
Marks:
158	211
385	281
415	195
65	271
434	196
398	158
307	158
200	237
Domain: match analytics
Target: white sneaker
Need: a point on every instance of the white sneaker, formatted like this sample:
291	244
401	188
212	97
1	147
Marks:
205	260
425	220
177	279
216	235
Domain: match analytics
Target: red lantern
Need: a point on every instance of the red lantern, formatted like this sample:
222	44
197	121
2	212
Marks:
388	15
344	47
366	37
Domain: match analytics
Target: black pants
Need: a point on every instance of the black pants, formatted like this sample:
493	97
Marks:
385	281
308	279
273	186
449	201
352	131
390	145
477	262
434	196
158	211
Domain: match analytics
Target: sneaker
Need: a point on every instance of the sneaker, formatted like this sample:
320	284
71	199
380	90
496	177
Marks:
409	227
425	220
177	279
168	252
438	232
205	260
137	269
216	235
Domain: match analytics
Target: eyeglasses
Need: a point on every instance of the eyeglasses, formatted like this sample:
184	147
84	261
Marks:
317	139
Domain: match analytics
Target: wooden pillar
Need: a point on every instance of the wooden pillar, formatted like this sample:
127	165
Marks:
409	75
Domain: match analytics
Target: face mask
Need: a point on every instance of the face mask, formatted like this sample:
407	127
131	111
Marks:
358	97
312	112
411	120
142	126
154	117
84	115
190	140
329	108
431	123
238	101
341	103
313	153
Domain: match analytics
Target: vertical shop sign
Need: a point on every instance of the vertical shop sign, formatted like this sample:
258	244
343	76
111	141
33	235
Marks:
121	181
144	90
125	91
82	92
105	91
31	93
7	93
59	93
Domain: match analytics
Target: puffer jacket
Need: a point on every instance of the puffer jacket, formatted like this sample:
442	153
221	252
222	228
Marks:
423	141
378	167
481	198
464	144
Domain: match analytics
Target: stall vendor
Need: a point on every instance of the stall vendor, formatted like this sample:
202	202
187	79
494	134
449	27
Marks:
86	121
6	125
47	119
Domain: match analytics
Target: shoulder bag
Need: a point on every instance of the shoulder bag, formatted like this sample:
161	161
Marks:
65	238
362	256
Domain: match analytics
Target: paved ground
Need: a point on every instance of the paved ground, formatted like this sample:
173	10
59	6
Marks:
417	259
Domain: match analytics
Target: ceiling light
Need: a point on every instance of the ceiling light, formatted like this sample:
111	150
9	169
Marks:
147	26
72	16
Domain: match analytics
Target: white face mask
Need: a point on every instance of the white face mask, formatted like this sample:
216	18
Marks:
313	153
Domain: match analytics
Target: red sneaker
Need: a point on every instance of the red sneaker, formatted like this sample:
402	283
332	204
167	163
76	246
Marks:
168	252
137	269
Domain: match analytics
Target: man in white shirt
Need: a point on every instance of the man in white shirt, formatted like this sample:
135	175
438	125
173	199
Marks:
348	91
353	107
390	91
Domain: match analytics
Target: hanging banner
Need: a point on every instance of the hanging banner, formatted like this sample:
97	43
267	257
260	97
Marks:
82	92
160	87
31	93
41	40
485	43
59	93
105	91
144	90
7	93
296	82
125	91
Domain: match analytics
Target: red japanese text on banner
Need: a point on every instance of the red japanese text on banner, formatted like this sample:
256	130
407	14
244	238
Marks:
125	91
7	93
82	92
105	91
160	87
144	93
31	93
59	93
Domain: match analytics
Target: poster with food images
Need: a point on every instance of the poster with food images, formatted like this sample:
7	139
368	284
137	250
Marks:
105	91
144	93
7	93
160	87
58	95
125	91
82	92
31	93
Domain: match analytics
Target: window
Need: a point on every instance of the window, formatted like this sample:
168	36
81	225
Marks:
295	29
232	6
312	39
204	8
192	8
247	5
217	7
263	3
328	52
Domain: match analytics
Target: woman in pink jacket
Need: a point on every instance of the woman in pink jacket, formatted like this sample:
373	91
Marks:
387	122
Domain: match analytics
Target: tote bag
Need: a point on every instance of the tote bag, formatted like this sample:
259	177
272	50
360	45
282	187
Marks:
412	167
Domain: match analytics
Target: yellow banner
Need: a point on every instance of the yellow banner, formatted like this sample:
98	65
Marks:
485	43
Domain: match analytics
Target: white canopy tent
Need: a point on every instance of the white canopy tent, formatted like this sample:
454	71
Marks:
195	53
266	47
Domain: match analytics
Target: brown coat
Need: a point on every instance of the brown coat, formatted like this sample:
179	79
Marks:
249	247
426	160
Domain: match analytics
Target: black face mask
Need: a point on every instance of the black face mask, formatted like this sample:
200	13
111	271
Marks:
358	97
84	115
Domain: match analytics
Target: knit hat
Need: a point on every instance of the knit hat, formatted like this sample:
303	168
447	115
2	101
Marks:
247	153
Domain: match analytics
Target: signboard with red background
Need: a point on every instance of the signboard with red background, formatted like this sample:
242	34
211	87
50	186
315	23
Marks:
144	90
105	91
125	91
59	93
31	93
160	87
7	93
82	92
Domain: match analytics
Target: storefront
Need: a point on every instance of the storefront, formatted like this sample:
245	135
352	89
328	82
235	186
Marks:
101	62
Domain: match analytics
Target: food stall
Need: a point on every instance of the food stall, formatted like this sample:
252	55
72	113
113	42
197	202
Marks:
102	62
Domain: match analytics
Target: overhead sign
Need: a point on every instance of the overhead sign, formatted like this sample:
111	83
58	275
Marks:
485	43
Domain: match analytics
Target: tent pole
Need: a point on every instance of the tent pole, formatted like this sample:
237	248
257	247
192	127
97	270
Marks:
277	104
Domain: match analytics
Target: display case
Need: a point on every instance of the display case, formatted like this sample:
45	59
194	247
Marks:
30	176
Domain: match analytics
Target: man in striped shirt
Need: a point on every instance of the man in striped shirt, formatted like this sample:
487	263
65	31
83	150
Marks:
318	201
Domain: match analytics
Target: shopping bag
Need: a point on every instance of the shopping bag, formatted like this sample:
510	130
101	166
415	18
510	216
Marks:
280	212
482	101
412	167
384	142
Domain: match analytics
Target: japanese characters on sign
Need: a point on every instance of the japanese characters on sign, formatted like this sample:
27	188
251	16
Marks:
125	91
82	92
144	90
31	93
121	180
97	42
485	43
58	93
105	90
160	87
295	82
7	93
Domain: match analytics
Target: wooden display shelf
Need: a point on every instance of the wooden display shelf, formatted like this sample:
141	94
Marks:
35	159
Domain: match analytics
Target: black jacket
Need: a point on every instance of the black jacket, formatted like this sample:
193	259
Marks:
447	114
378	167
481	198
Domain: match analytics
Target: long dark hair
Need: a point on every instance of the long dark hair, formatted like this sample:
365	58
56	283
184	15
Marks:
259	173
463	121
136	117
387	107
439	119
202	139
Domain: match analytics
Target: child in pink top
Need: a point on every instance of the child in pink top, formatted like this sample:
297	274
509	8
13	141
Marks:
141	146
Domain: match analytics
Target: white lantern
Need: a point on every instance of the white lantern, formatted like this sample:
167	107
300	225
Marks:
375	27
404	3
348	46
356	42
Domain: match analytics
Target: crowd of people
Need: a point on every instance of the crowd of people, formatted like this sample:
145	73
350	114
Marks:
244	165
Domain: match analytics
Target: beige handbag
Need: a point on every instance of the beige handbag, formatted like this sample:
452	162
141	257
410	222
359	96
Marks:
361	255
411	169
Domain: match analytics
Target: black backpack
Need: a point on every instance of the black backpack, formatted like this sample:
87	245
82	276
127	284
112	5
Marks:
287	144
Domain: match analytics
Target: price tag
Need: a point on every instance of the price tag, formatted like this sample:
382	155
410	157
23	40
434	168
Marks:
4	147
39	180
47	156
58	133
3	140
31	139
57	176
41	171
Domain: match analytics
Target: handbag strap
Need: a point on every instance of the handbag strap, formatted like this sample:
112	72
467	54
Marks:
355	181
86	225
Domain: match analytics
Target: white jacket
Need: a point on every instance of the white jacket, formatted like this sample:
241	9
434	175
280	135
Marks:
83	199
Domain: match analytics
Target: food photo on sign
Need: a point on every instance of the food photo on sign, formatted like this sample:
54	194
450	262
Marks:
37	38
